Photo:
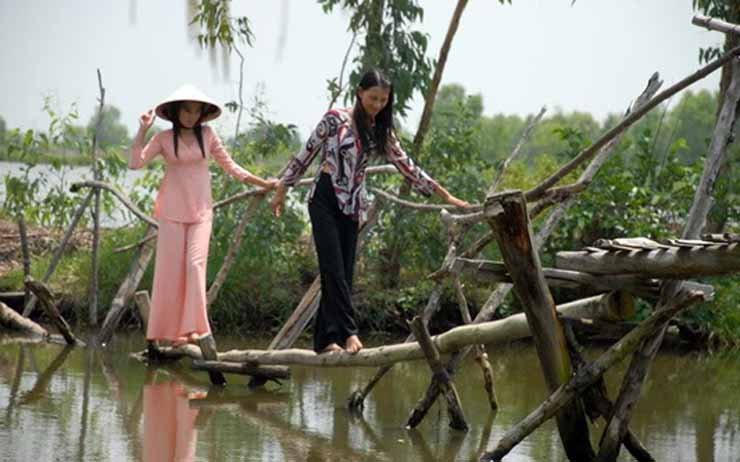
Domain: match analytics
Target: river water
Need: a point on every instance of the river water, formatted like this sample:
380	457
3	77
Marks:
92	405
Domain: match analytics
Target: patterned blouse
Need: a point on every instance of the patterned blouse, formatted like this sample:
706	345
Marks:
342	151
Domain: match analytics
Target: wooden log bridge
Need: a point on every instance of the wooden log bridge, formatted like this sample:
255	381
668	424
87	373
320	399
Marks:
490	333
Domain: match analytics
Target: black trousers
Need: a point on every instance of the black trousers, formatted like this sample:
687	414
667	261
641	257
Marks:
335	236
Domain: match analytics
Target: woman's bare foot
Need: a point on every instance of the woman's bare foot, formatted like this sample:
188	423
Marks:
180	341
193	338
332	348
353	344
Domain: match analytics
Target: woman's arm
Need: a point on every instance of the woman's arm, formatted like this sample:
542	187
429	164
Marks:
300	162
219	152
420	180
141	152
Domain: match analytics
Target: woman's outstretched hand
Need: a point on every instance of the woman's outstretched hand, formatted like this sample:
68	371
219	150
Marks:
146	119
278	200
452	200
270	184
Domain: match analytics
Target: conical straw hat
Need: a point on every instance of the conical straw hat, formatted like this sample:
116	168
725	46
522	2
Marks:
189	92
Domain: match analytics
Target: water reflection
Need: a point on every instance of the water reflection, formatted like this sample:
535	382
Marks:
95	405
169	421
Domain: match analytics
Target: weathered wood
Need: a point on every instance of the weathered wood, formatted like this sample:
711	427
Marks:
15	321
454	408
634	377
499	294
374	170
539	190
674	263
128	203
489	333
514	237
207	346
526	134
587	376
127	289
31	304
481	357
143	303
598	404
269	372
47	303
419	207
488	271
93	297
234	245
715	24
26	255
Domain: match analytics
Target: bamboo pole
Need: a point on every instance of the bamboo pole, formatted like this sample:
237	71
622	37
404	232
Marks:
93	308
59	250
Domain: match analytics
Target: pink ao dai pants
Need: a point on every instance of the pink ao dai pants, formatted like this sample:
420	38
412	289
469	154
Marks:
179	288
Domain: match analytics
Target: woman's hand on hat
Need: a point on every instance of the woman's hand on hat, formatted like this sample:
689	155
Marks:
146	119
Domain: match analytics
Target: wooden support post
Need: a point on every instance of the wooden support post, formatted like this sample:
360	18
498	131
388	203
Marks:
141	298
208	348
597	402
454	408
127	288
47	302
507	216
587	376
481	357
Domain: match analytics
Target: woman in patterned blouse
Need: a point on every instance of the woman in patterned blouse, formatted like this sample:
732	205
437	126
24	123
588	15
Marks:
347	139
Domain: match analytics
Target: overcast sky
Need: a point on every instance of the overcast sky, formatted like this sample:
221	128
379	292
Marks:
594	56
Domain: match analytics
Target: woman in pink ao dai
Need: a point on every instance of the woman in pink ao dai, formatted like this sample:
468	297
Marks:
183	209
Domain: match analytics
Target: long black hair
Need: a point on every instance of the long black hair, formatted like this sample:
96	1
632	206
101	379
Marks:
173	113
381	133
